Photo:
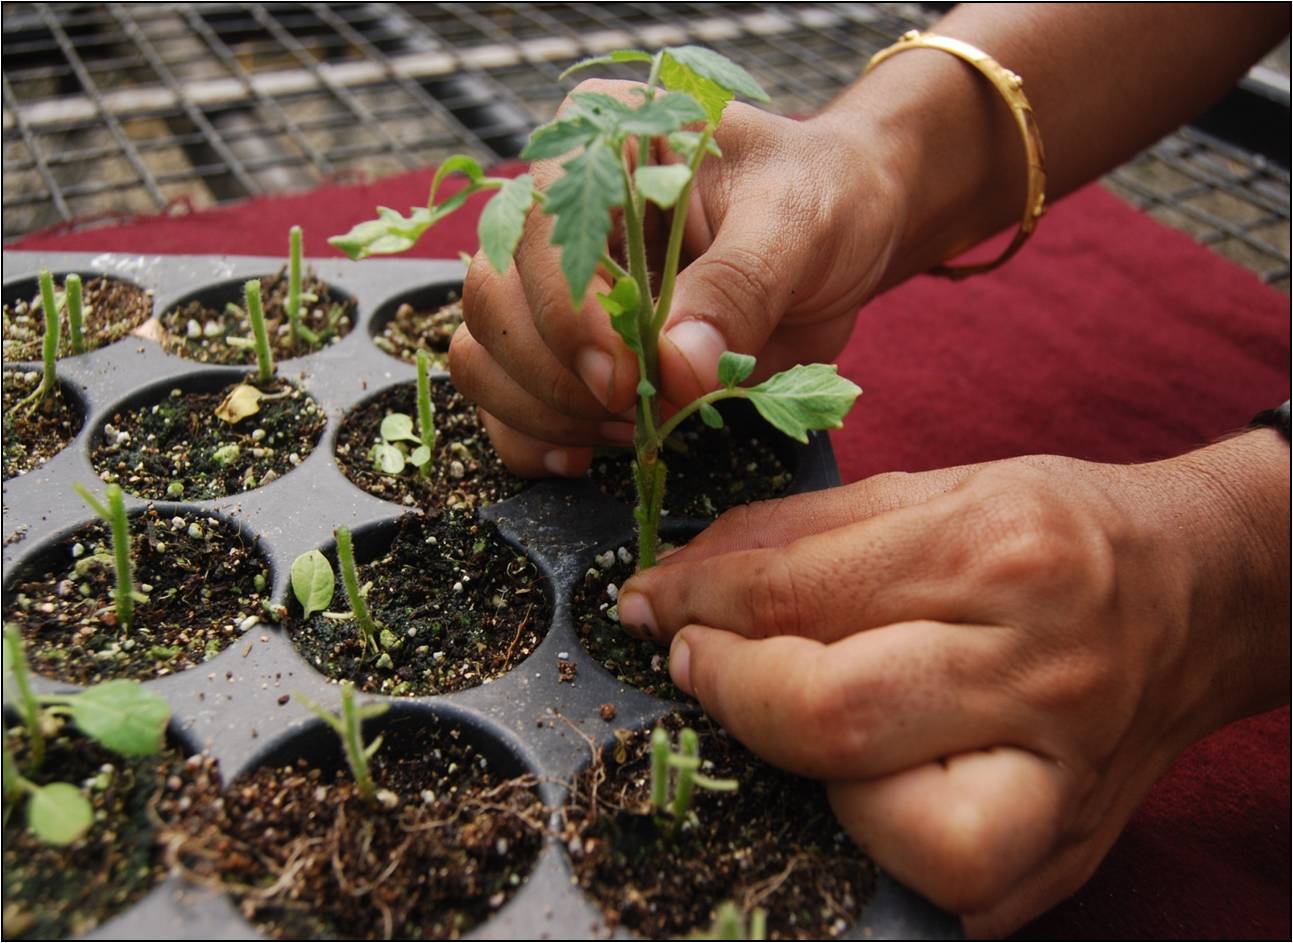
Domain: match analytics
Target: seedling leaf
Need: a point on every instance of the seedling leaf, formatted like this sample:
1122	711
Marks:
123	716
239	403
421	455
733	368
58	814
313	582
387	458
618	55
662	184
559	137
684	144
805	397
662	115
397	427
503	219
622	306
711	416
718	69
582	200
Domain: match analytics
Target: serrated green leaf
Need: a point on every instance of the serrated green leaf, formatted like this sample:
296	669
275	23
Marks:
733	368
713	98
622	306
684	144
559	137
662	184
398	427
582	200
503	220
387	459
718	69
457	164
122	716
58	814
313	582
421	455
810	396
662	114
600	110
711	416
618	55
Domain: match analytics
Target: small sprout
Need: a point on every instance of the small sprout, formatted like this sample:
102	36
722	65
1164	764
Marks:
313	582
729	924
390	455
426	417
49	350
175	489
121	715
686	765
350	579
347	726
124	595
256	314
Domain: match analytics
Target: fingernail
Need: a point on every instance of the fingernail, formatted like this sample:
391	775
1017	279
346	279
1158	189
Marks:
559	462
680	664
701	345
597	370
619	433
635	611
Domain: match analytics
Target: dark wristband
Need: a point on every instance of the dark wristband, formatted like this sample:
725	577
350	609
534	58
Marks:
1277	419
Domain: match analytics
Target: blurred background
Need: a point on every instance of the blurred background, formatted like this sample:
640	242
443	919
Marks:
117	109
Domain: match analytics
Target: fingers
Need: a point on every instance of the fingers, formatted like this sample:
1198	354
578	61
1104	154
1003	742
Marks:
865	706
963	832
534	458
899	566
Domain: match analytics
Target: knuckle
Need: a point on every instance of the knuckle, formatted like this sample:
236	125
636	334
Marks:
774	598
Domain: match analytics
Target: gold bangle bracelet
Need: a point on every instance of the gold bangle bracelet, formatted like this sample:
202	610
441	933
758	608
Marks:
1010	87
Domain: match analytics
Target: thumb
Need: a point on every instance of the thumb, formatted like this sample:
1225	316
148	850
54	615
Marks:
732	297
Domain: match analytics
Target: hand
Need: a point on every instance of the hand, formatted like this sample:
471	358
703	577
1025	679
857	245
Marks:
990	665
788	233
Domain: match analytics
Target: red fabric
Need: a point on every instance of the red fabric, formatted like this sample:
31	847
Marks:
1109	338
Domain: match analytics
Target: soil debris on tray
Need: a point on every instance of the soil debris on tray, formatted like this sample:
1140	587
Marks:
110	309
773	843
308	858
179	449
411	329
206	584
710	470
465	471
57	892
204	334
637	662
33	438
457	604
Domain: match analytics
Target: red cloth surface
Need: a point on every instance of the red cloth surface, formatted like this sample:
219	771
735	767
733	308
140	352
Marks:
1110	337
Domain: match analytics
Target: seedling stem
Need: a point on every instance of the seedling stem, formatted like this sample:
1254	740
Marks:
72	297
49	350
350	577
426	420
349	728
28	706
124	594
264	357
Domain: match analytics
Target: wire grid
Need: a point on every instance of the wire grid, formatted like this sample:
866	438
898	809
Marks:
126	108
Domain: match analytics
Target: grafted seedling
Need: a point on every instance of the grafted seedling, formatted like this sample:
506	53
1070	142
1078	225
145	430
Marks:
399	446
611	170
49	348
120	715
256	314
124	594
350	579
682	771
348	725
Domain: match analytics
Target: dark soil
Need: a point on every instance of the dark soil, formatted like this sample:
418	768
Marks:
31	438
461	606
409	330
710	470
773	843
54	893
465	470
110	310
200	333
637	662
310	859
204	582
149	449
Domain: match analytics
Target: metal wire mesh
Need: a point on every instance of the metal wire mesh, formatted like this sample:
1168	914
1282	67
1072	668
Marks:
125	108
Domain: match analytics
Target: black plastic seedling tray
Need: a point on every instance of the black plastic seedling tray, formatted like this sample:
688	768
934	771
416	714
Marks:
230	706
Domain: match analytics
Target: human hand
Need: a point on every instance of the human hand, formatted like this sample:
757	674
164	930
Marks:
788	233
989	665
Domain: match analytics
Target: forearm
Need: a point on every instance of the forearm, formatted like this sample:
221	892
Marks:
1104	83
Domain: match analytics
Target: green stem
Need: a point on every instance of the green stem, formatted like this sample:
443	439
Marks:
349	576
264	358
689	749
673	253
615	268
294	282
14	783
651	475
72	297
682	415
28	704
352	740
426	421
123	593
49	349
659	768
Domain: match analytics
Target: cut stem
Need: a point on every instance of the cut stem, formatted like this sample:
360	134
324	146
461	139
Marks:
294	283
352	740
123	594
28	704
426	415
256	314
350	578
659	768
72	297
49	350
